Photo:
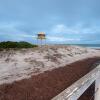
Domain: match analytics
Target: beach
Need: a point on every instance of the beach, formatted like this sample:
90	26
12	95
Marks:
33	74
50	83
19	64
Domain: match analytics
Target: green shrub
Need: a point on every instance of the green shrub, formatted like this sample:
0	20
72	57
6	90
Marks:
22	44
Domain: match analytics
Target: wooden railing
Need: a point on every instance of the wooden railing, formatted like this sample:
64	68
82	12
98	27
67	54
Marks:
79	87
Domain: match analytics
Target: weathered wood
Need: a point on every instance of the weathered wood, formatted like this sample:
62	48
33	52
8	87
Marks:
78	88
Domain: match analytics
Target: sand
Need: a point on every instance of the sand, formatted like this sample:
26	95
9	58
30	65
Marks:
19	64
46	85
42	73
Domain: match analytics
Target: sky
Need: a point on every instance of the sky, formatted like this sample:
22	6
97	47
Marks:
63	21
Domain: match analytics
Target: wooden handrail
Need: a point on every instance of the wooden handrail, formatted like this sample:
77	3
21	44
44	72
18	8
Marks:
78	88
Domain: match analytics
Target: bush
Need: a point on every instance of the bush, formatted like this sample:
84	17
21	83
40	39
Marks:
22	44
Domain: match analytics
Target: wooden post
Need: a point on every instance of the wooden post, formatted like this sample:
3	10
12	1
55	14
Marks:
97	89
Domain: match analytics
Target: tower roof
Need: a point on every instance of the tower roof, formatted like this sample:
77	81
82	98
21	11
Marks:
41	33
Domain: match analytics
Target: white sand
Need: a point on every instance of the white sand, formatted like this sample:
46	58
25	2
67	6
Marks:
19	64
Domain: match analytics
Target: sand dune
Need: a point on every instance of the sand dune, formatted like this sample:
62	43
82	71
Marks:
19	64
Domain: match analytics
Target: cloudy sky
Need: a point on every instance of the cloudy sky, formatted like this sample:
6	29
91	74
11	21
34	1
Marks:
63	21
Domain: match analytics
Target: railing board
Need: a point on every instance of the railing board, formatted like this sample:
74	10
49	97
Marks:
78	88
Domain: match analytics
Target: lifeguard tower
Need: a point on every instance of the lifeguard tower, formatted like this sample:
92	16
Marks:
41	38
